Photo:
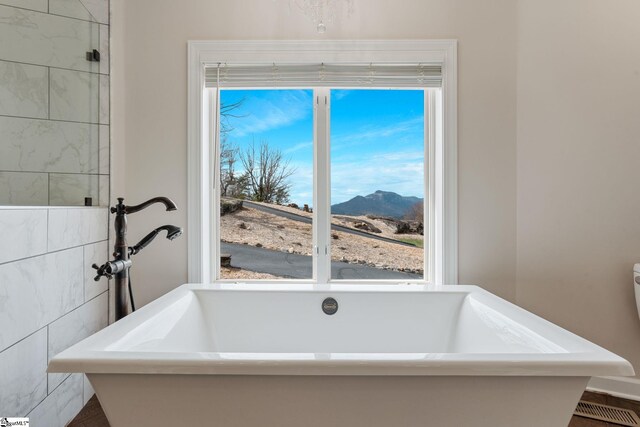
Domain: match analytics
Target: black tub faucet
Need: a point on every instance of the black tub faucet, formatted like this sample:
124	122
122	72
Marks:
119	267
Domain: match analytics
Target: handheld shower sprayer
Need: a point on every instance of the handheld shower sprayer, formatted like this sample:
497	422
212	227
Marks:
173	232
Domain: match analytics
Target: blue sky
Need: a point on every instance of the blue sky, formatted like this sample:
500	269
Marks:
377	137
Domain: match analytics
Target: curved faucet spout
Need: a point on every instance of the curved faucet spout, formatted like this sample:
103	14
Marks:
164	200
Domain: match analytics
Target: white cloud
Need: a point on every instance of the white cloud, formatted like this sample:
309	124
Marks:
367	133
298	147
340	94
264	114
359	175
402	173
399	156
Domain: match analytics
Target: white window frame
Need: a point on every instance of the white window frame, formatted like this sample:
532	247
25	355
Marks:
203	211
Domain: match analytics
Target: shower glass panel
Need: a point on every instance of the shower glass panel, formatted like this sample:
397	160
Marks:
54	103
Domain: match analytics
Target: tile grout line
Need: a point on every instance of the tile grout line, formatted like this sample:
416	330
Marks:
52	391
37	404
84	279
47	358
51	252
47	230
75	19
88	11
48	93
33	64
78	307
23	338
48	12
45	119
55	320
58	173
48	118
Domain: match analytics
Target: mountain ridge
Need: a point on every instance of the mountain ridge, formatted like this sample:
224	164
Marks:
381	203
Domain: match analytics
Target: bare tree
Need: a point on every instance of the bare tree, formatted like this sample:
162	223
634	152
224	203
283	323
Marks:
416	212
228	160
267	173
226	113
230	184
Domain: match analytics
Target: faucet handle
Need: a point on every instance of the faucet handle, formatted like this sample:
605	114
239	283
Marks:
120	205
111	268
101	272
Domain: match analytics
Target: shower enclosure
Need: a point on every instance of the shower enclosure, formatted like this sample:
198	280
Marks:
54	103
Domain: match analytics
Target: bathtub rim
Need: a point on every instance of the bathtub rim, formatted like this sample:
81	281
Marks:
82	357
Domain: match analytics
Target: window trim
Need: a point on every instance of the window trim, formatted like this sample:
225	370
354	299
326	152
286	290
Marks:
443	180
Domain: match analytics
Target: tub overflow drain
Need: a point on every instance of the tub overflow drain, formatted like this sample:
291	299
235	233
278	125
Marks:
329	306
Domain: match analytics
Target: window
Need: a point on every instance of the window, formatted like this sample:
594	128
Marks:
322	170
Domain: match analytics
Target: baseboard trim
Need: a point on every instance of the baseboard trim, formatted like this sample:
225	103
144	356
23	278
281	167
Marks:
626	388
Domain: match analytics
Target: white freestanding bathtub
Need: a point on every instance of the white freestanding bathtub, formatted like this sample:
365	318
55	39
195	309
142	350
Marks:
393	356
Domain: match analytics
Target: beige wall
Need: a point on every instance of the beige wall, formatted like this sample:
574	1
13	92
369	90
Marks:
571	71
150	55
578	167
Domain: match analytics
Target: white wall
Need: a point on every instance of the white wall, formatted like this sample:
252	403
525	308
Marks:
150	52
578	167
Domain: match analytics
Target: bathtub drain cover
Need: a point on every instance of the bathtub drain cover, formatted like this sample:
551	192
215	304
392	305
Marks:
606	413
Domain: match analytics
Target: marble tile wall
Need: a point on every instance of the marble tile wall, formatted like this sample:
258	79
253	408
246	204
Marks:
74	96
21	368
38	38
30	145
48	302
88	10
71	189
75	227
24	188
54	150
60	406
27	232
39	290
24	91
73	327
54	104
96	253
